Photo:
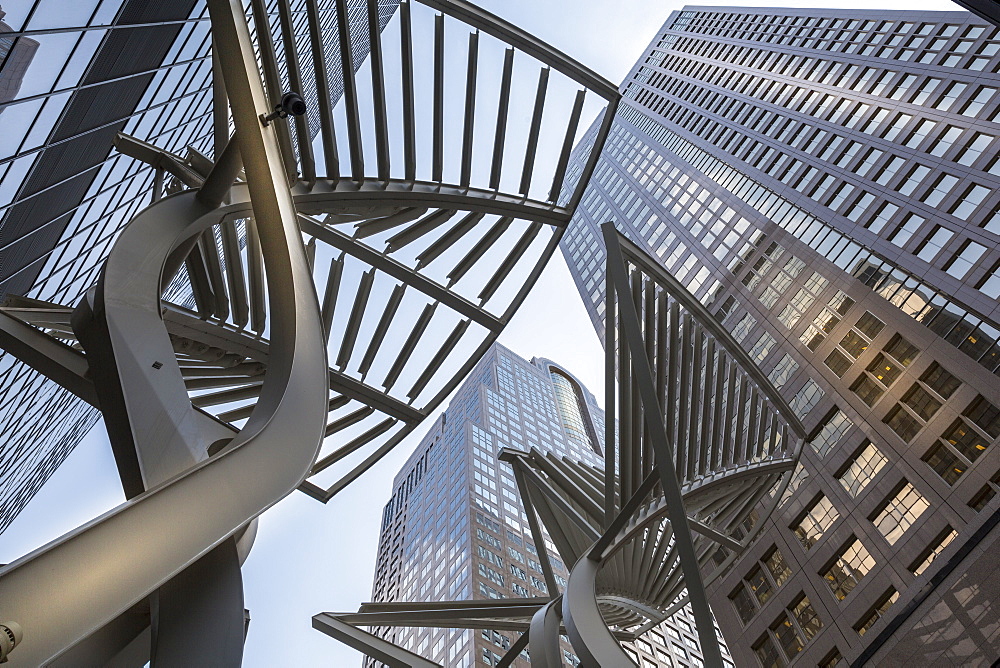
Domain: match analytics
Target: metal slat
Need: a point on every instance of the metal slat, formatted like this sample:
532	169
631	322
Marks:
672	372
380	330
437	167
610	458
689	445
201	286
727	422
684	396
438	360
354	321
448	239
717	424
350	419
376	225
503	108
302	134
408	346
418	229
649	335
536	126
354	445
235	274
508	263
255	269
567	147
350	93
483	245
406	55
625	418
330	294
227	396
210	251
470	109
751	436
378	92
705	456
328	134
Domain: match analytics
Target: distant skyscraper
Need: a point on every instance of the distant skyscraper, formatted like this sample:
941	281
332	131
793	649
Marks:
16	54
65	193
455	527
827	183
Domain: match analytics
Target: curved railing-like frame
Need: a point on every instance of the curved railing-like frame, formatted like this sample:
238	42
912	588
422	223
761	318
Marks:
219	406
698	450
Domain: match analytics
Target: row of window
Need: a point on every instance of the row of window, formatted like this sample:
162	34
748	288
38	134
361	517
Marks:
965	331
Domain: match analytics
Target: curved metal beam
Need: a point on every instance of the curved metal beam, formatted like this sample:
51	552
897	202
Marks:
591	638
73	586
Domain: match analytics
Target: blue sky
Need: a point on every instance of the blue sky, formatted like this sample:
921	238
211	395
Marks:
309	557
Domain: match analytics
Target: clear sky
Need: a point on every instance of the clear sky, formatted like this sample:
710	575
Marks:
308	557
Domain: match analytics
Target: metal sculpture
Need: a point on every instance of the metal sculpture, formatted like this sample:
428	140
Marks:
218	411
699	454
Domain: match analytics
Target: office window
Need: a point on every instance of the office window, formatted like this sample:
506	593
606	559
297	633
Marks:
816	521
945	463
885	602
969	201
852	563
795	627
831	432
899	512
862	469
782	371
964	259
760	582
806	398
931	552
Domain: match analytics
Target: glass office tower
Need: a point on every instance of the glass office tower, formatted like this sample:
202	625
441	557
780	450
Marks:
140	67
455	527
827	183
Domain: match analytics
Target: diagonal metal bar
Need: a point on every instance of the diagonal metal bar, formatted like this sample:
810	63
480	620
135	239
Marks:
370	645
400	272
515	650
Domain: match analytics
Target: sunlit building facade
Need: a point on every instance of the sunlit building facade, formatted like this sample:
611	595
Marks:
68	85
827	184
455	527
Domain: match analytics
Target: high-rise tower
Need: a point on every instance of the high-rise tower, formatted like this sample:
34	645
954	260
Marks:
828	186
455	527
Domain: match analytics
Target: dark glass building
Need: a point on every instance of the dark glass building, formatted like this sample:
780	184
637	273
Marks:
70	81
455	527
827	183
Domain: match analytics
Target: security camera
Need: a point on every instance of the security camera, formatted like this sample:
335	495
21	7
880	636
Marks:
291	104
10	635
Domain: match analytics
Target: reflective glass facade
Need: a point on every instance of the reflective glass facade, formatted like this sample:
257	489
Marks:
455	527
827	185
72	76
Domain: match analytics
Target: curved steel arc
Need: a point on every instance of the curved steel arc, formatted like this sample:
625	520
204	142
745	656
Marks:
591	638
73	586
